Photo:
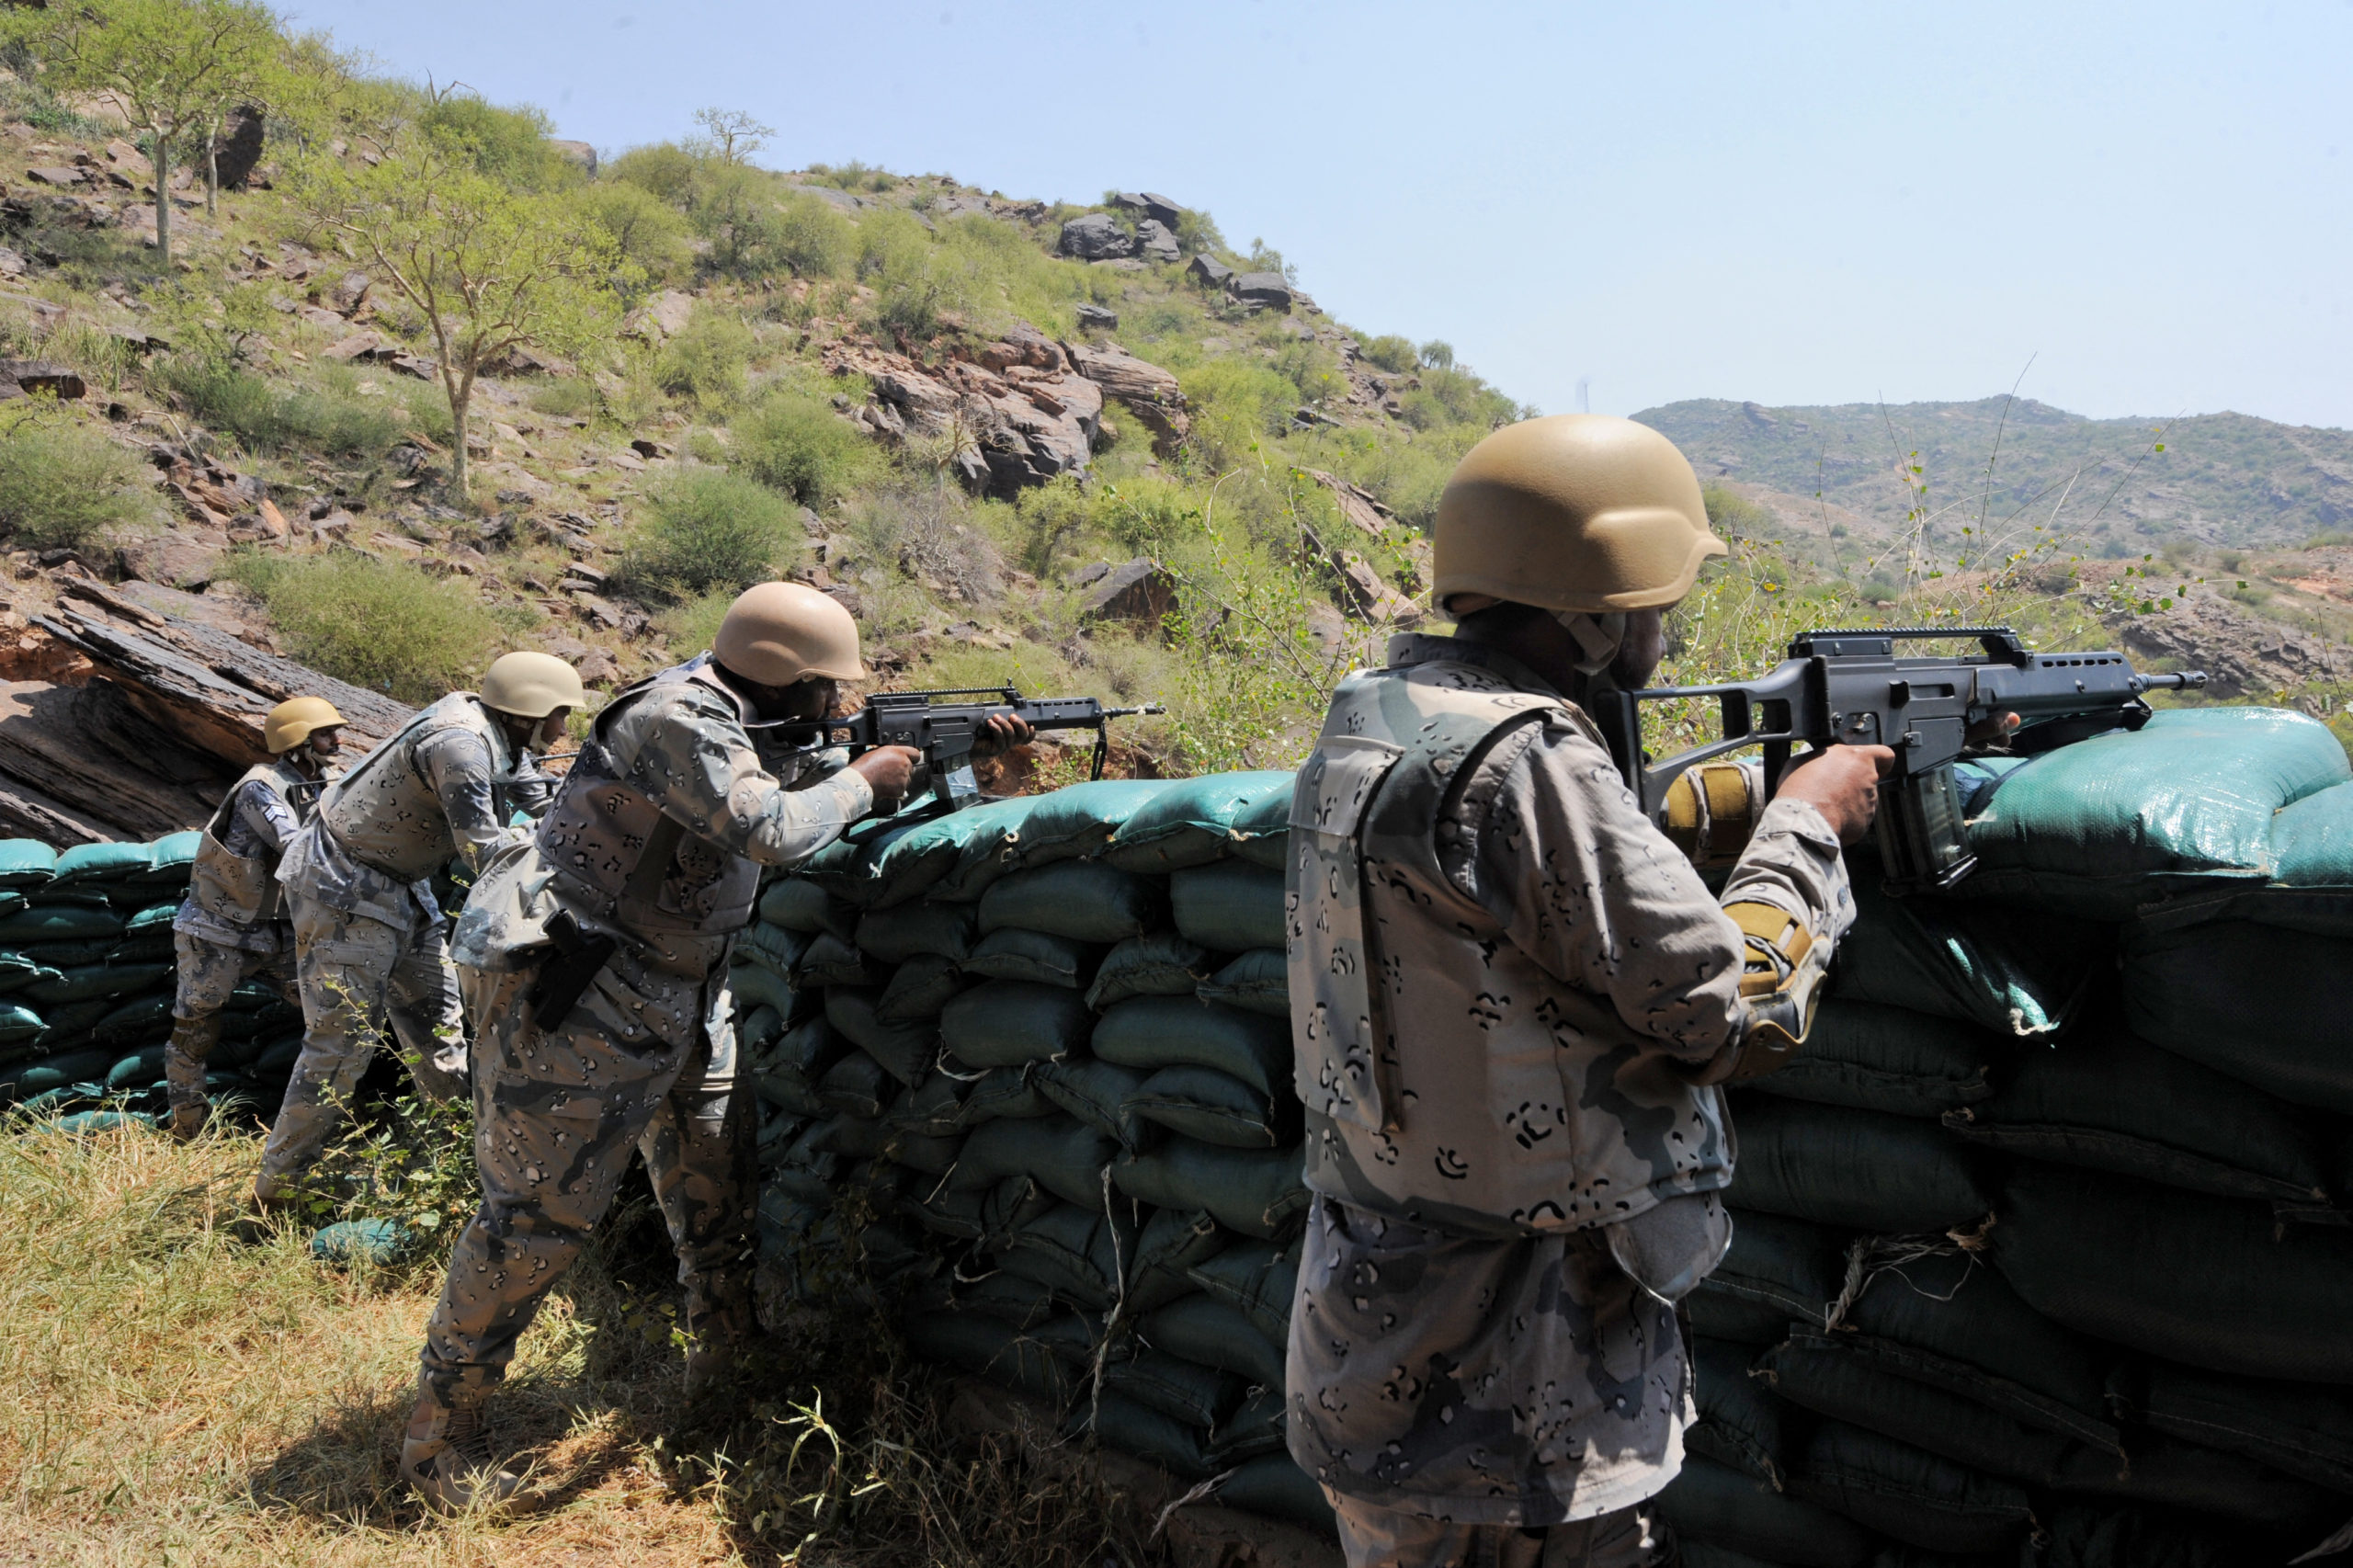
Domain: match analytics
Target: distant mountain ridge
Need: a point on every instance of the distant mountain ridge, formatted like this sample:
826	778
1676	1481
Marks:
2228	479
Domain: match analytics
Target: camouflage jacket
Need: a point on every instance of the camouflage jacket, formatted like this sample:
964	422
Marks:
233	888
1503	981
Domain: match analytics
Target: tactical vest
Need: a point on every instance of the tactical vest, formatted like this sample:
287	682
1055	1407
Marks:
613	852
384	813
241	889
1449	1079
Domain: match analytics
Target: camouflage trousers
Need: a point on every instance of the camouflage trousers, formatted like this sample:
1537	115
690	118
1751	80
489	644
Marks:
358	976
208	972
1374	1536
556	1114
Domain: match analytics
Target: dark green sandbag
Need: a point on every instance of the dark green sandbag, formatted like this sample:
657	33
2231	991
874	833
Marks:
2311	868
153	917
756	985
928	1155
828	961
1740	1424
2168	1474
59	922
1823	1374
59	956
1256	982
900	933
772	946
1275	1486
787	1074
1006	1094
987	851
1858	1169
1074	1251
1259	1194
851	1137
1077	821
25	863
45	1073
1172	1241
1888	1059
1907	1493
18	971
1039	957
2110	1101
757	1031
918	989
1204	1104
948	1103
1204	1329
987	1347
1259	1280
127	1022
140	1070
1061	1154
989	1216
1261	830
1096	1092
103	862
1159	964
19	1023
905	1050
99	980
2087	1536
886	861
799	904
2018	971
1012	1300
1006	1022
170	860
1121	1423
1778	1271
1256	1427
2209	1281
2238	997
1713	1503
777	1130
154	948
1229	905
856	1086
1084	900
1184	1391
2292	1427
1707	1554
1192	823
1153	1032
278	1060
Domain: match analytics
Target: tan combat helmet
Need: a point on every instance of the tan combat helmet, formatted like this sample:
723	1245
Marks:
530	686
295	720
778	633
1583	512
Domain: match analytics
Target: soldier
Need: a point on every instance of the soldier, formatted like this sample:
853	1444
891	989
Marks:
596	977
232	925
368	931
1512	1000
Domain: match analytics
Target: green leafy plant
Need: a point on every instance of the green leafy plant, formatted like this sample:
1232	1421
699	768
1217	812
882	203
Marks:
269	417
64	488
792	441
708	530
707	362
381	624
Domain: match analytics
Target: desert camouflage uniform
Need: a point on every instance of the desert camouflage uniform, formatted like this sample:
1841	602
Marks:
368	933
230	926
1510	994
655	840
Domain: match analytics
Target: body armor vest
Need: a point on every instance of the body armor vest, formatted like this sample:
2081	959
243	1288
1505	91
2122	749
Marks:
384	813
1449	1079
240	889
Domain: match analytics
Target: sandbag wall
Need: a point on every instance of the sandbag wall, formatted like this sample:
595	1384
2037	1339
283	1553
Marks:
87	981
2042	1247
1034	1060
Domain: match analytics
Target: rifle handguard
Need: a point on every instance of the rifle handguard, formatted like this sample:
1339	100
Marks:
1781	975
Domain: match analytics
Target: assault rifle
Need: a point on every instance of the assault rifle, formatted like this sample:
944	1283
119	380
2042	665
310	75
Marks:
1850	688
943	724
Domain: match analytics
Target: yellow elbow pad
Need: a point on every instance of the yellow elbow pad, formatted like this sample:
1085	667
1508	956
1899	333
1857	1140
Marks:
1712	811
1781	973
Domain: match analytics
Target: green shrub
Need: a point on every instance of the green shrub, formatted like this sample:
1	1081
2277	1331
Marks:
1439	354
61	488
508	144
707	361
664	171
648	232
267	418
1053	517
691	624
381	624
709	531
853	176
571	398
1735	515
793	441
1392	353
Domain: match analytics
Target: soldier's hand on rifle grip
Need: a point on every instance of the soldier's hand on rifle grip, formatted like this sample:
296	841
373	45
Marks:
888	770
1002	733
1842	783
1994	730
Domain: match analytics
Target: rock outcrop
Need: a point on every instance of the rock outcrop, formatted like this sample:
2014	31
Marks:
1097	236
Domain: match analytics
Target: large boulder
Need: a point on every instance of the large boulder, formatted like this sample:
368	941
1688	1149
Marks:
1096	237
1138	591
579	152
1150	392
1148	204
1205	270
239	148
1266	290
1157	242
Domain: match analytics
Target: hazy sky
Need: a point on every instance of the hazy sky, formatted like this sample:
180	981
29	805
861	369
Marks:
1792	202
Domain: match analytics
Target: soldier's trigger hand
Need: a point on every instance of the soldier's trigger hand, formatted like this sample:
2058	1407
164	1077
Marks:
887	770
1842	783
1002	733
1994	730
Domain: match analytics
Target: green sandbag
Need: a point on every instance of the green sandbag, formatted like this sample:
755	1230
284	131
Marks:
918	989
1823	1374
2312	868
1914	1496
987	1347
2114	1103
1006	1022
1205	1104
140	1070
378	1243
925	1154
1740	1424
1256	1278
18	971
1153	1032
1034	955
1229	905
1006	1094
2168	1473
170	860
899	932
59	956
1121	1423
905	1050
1860	1169
1074	1251
894	860
935	1107
1778	1271
2089	1536
90	1123
795	904
829	960
1261	830
103	862
1183	1391
1714	1505
1078	821
20	1024
756	985
2239	997
1058	1153
947	1103
1257	1427
25	863
96	981
984	846
48	1073
1888	1059
58	922
2293	1427
1192	823
1257	982
1085	900
772	946
1161	963
1172	1241
154	916
2018	971
757	1029
155	947
2212	1282
856	1086
1012	1300
2183	806
1258	1193
851	1137
278	1061
1275	1486
986	1215
1210	1333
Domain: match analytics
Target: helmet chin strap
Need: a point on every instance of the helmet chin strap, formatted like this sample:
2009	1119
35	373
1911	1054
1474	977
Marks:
1598	636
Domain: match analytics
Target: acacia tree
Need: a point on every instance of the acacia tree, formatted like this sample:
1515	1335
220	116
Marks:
174	65
490	268
735	134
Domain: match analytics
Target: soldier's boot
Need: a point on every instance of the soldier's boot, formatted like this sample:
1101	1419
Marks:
718	1344
446	1456
191	1045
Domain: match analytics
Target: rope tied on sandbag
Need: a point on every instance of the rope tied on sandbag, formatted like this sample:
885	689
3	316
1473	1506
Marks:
1868	1257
